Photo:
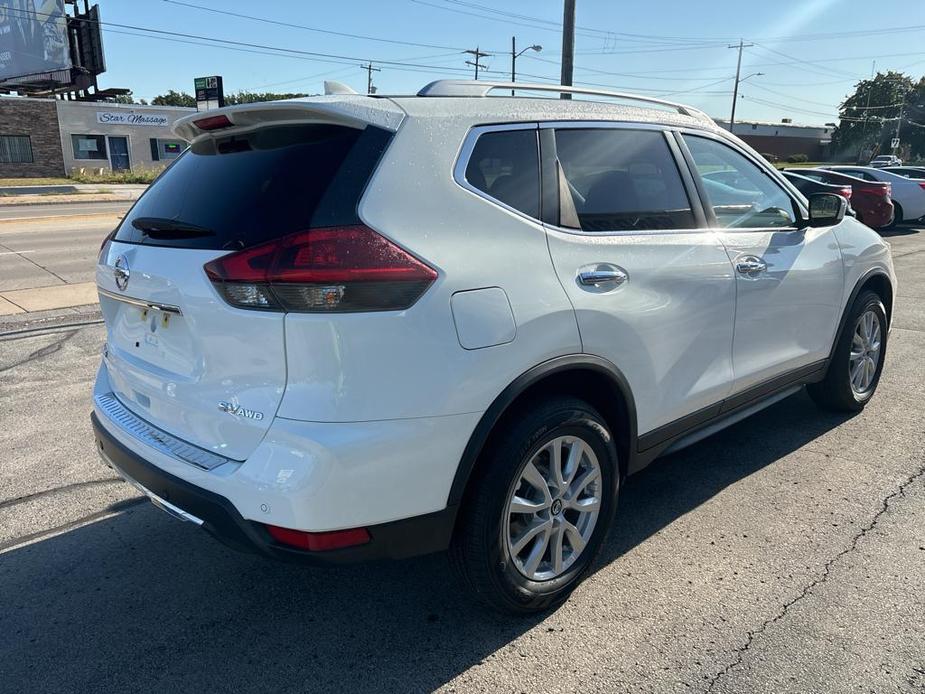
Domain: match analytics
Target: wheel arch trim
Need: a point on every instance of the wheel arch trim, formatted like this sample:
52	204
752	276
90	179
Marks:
846	309
528	379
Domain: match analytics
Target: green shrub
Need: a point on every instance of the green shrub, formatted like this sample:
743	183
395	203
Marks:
135	176
798	158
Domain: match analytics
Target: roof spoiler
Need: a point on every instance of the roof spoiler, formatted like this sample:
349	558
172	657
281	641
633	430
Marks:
349	110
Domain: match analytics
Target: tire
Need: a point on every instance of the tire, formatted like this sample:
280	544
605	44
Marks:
897	216
835	391
482	549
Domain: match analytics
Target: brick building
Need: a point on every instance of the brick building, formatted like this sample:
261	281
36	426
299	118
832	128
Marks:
784	139
30	138
52	137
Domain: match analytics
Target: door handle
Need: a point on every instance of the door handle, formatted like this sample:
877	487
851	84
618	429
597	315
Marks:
750	265
602	276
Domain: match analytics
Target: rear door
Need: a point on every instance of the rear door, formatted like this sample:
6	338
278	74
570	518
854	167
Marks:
180	356
789	276
653	290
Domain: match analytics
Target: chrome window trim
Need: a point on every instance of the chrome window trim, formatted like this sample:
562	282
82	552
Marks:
138	429
465	152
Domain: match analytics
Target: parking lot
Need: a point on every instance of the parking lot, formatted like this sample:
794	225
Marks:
783	554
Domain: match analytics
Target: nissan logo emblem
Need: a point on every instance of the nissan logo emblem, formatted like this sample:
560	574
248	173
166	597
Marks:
121	272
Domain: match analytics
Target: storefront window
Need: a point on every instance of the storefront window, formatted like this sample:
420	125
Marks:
89	146
15	149
166	150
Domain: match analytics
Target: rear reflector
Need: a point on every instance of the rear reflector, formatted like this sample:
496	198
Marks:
329	269
213	123
319	542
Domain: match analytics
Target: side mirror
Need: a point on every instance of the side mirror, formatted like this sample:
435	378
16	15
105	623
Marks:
826	209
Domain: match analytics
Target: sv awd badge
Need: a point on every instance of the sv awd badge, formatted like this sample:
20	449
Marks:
239	411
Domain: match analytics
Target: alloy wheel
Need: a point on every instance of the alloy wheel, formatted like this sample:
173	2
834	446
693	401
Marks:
553	508
865	353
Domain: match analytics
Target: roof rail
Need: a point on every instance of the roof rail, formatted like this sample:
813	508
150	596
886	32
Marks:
482	88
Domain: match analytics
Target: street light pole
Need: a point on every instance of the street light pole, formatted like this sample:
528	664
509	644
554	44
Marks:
515	54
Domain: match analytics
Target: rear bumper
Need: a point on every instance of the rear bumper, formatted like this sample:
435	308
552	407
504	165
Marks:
218	516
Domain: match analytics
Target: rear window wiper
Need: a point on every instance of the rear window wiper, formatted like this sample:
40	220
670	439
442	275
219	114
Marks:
163	228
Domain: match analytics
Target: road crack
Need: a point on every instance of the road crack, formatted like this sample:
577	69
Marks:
852	546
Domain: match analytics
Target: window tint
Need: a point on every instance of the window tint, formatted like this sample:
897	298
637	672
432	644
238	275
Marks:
860	174
89	146
741	195
505	165
247	189
616	180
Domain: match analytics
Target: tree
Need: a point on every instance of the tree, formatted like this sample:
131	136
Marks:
127	99
255	97
870	116
173	98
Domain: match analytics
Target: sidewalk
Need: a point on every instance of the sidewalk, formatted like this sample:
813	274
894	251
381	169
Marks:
77	192
17	301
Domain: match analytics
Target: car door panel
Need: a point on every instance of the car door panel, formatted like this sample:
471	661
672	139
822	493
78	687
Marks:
789	277
786	315
668	328
663	309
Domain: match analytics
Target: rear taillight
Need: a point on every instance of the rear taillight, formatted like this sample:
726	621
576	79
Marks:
329	269
319	542
884	190
922	185
109	237
846	193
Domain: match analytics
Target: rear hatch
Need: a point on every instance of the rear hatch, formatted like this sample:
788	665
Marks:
178	355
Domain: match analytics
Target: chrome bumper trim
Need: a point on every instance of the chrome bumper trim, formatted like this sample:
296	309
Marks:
148	434
158	501
141	303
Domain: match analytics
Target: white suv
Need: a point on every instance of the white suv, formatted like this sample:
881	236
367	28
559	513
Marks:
353	327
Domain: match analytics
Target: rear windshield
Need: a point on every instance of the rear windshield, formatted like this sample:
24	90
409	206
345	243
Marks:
242	190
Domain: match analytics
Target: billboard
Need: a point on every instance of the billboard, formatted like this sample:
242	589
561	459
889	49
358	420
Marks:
33	38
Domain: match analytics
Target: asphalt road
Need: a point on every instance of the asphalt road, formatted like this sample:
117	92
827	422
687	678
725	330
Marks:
785	554
46	245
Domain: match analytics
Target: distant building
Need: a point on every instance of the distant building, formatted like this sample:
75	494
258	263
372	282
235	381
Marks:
48	137
785	138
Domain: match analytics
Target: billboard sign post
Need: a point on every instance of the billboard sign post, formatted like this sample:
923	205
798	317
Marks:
209	92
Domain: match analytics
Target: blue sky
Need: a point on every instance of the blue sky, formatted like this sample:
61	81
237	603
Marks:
810	51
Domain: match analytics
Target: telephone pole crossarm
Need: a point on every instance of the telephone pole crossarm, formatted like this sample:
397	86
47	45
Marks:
476	63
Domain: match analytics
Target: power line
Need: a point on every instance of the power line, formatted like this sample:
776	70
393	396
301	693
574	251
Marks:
223	43
307	28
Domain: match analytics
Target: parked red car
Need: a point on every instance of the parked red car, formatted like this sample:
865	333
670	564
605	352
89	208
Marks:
870	199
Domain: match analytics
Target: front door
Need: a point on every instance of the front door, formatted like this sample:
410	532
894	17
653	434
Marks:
789	276
118	154
653	290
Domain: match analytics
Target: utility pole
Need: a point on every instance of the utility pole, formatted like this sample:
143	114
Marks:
568	45
478	55
370	89
735	90
899	122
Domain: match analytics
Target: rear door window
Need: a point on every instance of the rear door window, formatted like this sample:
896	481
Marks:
242	190
504	164
614	179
